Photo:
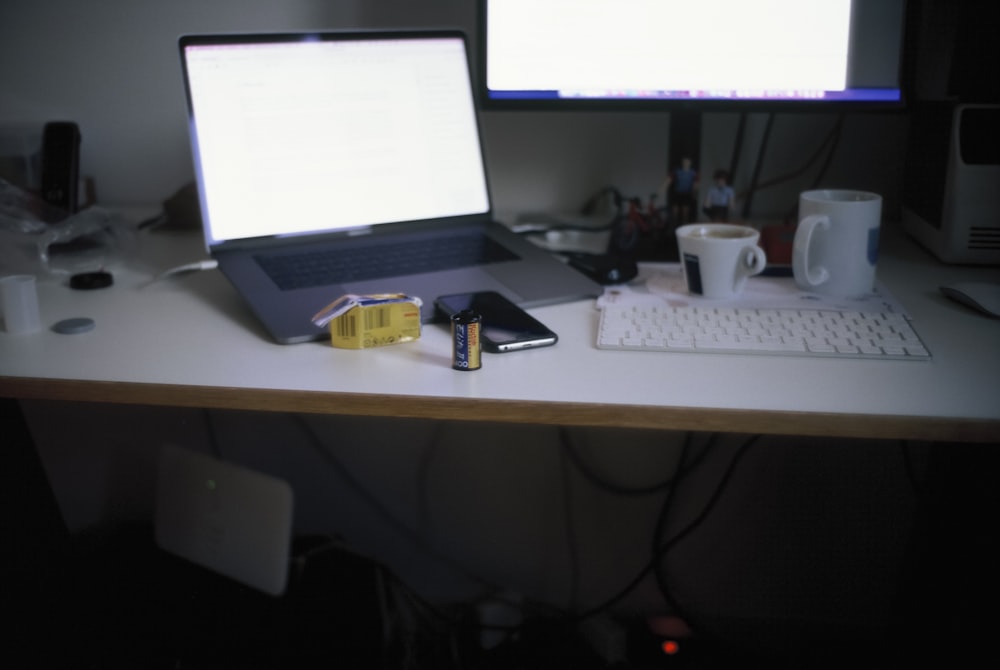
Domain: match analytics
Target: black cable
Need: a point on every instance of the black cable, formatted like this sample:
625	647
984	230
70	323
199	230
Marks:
755	176
620	595
829	138
153	221
548	223
832	137
658	530
833	140
416	602
571	538
661	547
734	161
611	487
375	504
433	620
592	201
835	135
596	480
649	567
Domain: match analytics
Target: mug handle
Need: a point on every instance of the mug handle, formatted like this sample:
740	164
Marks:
800	251
754	260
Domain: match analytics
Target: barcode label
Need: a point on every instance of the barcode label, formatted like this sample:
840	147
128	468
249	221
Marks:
374	318
377	317
347	325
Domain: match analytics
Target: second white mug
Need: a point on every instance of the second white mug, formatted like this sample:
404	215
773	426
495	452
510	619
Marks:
836	243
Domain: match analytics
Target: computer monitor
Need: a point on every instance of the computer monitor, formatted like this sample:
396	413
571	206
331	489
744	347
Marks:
687	57
690	54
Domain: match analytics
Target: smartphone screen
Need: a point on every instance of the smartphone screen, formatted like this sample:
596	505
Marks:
505	326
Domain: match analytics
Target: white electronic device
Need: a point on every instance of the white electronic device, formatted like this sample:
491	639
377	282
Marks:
951	189
224	517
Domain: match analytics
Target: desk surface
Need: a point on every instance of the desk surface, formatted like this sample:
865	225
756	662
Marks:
190	341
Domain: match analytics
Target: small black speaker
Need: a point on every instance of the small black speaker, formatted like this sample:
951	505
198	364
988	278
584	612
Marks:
61	165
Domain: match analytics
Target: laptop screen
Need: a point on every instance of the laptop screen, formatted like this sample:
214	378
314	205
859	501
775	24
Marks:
297	134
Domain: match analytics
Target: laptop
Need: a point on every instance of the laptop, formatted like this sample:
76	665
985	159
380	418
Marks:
364	144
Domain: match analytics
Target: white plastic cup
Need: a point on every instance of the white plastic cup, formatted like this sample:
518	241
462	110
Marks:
19	303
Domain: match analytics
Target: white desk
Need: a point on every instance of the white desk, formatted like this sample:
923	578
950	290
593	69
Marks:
189	341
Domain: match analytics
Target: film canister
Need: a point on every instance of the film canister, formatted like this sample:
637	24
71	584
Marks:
466	347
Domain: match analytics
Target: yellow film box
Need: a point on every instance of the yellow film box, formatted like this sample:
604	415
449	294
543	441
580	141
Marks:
365	321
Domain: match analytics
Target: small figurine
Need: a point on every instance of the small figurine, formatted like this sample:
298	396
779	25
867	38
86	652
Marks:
719	199
681	185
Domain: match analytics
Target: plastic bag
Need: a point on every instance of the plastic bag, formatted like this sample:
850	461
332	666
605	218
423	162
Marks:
37	238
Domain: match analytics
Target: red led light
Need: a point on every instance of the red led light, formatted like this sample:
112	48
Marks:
670	647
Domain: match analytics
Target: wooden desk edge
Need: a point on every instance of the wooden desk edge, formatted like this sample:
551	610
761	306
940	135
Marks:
920	428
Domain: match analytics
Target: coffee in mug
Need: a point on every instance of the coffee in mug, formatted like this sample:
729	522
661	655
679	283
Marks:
836	243
717	258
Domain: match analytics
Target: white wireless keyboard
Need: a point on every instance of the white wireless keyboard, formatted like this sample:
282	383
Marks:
798	332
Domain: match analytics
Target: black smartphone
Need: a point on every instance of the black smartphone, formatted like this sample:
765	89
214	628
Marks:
505	326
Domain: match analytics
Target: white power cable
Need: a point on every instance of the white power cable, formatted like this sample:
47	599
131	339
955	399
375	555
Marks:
197	266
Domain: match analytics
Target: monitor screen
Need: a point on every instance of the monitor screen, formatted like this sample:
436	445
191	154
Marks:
704	54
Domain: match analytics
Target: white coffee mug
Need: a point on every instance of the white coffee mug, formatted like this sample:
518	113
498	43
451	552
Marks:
836	243
717	258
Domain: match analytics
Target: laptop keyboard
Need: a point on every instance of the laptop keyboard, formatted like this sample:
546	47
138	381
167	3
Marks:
321	267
